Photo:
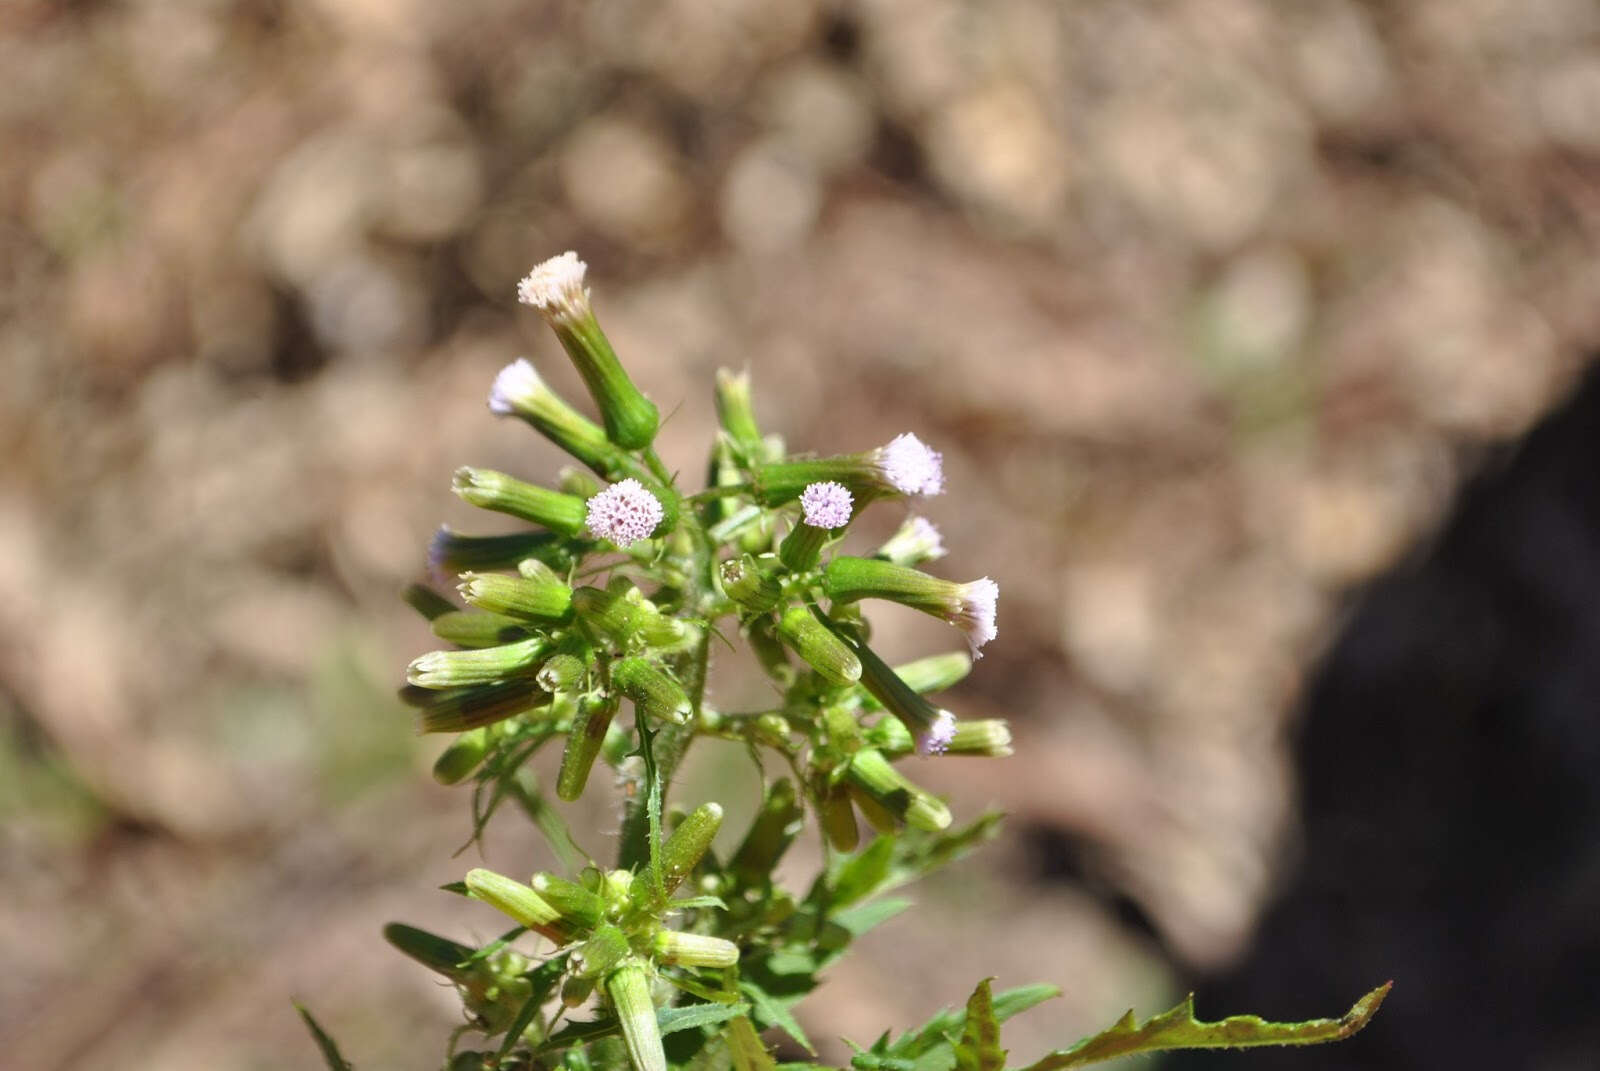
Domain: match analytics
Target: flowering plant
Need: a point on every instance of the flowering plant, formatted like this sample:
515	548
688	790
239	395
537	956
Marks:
673	956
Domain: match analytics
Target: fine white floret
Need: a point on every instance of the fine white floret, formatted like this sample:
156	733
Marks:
556	288
910	466
937	739
976	614
917	541
624	513
826	504
516	383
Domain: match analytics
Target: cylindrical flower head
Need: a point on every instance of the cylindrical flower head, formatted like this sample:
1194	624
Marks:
903	466
518	391
989	737
694	950
688	844
970	607
516	596
916	541
485	665
751	584
472	628
440	954
518	901
628	988
818	646
579	907
624	513
556	289
654	693
776	826
469	708
870	772
451	552
936	741
918	715
735	413
837	817
489	489
463	756
584	742
561	672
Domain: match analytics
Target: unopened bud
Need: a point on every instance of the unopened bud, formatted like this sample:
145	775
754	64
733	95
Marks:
484	665
838	818
464	755
516	596
451	552
775	827
694	950
628	989
654	693
496	491
469	628
561	673
584	742
461	709
579	907
735	413
688	844
517	901
871	773
818	646
750	583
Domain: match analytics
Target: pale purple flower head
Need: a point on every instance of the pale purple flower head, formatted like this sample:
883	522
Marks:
624	513
917	541
556	288
937	739
826	504
516	383
975	617
909	466
437	546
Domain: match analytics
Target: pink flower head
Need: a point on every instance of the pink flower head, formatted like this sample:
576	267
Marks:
975	615
556	289
826	504
516	383
624	513
937	739
909	466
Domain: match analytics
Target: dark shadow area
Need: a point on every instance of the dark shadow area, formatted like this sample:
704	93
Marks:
1449	756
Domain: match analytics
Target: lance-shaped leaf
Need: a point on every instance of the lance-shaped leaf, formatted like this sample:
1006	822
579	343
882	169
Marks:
979	1048
1179	1029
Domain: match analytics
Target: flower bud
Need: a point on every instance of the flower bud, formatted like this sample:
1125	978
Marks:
517	596
457	669
606	616
818	646
517	901
579	907
871	773
556	289
772	730
577	483
518	391
604	949
838	818
776	826
496	491
584	742
469	628
762	635
461	709
970	607
436	953
561	673
576	989
935	673
916	541
879	817
920	717
628	989
688	844
751	584
451	552
654	693
735	413
463	756
988	737
694	950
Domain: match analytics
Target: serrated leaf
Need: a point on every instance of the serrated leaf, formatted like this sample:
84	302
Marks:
979	1048
330	1050
675	1019
1179	1029
1016	1001
775	1013
930	1046
745	1045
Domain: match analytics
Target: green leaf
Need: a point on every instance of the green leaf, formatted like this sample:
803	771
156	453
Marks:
921	854
775	1013
1179	1029
1016	1001
868	916
745	1044
675	1019
979	1048
525	788
696	902
861	875
330	1050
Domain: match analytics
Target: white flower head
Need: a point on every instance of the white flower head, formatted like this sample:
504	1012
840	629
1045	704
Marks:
514	386
975	615
624	513
826	504
937	739
910	466
916	541
556	288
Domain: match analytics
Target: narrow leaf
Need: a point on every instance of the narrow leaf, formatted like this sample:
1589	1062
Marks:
979	1048
520	1024
745	1044
1179	1029
675	1019
330	1050
774	1013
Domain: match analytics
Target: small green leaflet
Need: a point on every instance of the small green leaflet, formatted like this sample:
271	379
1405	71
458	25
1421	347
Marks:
979	1048
1179	1029
330	1050
745	1045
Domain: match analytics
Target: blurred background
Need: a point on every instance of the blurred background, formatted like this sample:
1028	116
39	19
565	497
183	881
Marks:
1212	306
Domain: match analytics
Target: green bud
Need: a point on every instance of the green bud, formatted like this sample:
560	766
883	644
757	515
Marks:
485	665
578	483
607	616
735	413
461	709
427	602
688	844
776	826
988	737
496	491
871	773
694	950
436	953
584	742
579	907
516	596
935	673
895	695
451	552
518	391
576	989
604	949
470	628
877	815
838	818
915	542
772	730
463	756
561	673
518	902
818	646
750	583
654	693
628	988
